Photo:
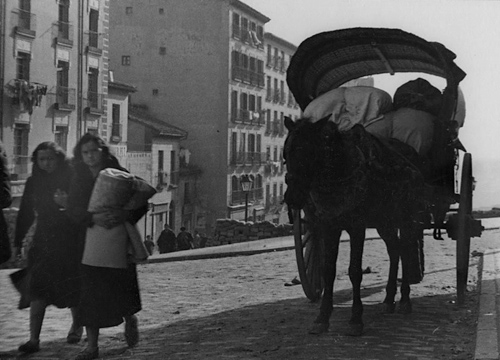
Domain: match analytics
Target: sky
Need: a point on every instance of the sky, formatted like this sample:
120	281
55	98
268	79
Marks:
469	28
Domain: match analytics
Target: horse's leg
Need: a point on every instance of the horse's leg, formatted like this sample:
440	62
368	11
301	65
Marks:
357	235
331	237
392	243
411	252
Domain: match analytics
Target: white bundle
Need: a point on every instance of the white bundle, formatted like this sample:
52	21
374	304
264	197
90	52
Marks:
115	189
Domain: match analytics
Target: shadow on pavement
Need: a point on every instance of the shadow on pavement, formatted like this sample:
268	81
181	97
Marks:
436	329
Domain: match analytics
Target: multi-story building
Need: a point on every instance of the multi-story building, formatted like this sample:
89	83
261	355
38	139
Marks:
200	65
155	154
279	103
53	73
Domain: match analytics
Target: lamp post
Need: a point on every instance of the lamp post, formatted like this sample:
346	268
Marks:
246	185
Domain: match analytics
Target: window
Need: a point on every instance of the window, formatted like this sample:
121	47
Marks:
115	118
251	143
172	161
234	147
126	60
21	157
25	14
23	66
61	137
281	189
259	143
275	153
62	82
128	10
243	142
160	160
161	11
94	28
163	50
93	89
243	101
234	104
155	92
268	153
63	24
275	190
251	103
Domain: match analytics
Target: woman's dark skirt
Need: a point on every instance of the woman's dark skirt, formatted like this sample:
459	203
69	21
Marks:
108	295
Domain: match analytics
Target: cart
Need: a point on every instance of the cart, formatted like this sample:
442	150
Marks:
328	60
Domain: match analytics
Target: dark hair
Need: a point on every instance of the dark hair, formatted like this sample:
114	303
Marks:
89	137
183	228
61	158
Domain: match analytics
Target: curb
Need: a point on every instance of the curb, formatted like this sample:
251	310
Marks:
487	324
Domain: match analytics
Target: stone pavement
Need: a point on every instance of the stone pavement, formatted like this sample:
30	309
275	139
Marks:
221	306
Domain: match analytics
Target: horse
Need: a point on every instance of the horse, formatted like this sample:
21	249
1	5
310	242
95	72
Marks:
349	181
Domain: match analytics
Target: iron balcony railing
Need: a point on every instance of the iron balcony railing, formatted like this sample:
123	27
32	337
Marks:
24	21
95	101
62	97
63	32
252	77
247	117
94	41
239	196
248	158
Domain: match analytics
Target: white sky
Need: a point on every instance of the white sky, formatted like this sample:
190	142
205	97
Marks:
469	28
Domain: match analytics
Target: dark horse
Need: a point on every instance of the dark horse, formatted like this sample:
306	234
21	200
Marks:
352	180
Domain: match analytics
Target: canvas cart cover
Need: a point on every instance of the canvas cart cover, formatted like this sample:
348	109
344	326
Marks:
327	60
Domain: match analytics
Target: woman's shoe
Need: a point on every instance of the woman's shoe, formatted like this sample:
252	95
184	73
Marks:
88	354
75	334
131	331
30	347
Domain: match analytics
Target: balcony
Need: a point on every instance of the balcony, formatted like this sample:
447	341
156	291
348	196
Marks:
247	117
24	23
239	73
246	158
64	98
95	103
236	34
63	33
93	41
238	196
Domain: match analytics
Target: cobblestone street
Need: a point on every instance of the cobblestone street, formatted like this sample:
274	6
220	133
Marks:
240	308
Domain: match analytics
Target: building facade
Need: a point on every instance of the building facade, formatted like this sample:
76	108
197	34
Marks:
154	154
279	103
200	65
53	63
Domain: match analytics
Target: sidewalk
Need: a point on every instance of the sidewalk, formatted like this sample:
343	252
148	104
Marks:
266	245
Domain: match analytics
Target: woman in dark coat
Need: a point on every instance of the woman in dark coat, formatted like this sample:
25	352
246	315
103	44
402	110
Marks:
5	201
54	256
109	295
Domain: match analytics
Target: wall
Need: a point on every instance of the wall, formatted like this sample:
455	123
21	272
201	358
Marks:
234	231
191	77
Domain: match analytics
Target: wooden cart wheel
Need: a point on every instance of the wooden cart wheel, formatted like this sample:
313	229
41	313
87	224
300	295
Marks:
309	253
464	217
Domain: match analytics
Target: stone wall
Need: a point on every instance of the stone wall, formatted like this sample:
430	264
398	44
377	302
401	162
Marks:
229	231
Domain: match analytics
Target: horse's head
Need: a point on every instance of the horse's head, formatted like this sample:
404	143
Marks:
303	154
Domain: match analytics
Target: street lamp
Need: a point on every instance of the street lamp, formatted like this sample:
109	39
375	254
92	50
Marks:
246	185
